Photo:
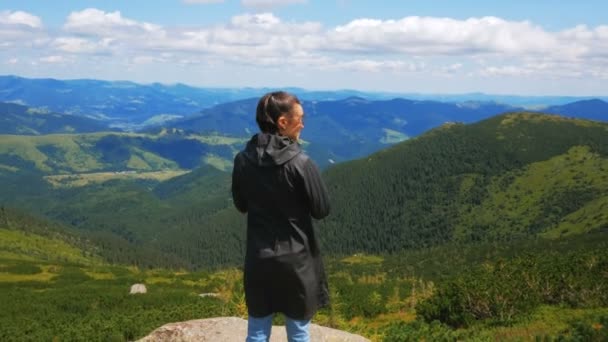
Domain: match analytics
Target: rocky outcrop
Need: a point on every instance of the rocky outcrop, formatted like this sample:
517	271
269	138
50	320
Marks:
234	329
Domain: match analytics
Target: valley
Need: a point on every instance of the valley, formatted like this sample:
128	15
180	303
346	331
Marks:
450	221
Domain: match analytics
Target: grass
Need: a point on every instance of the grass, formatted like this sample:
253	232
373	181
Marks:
73	296
8	168
83	179
365	259
515	118
46	274
218	162
75	153
545	321
23	246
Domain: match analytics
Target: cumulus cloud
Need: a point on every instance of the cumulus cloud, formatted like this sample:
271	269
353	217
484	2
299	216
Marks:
443	36
77	45
488	46
20	18
20	29
94	22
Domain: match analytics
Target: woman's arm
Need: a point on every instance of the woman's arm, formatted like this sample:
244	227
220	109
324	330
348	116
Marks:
316	192
237	191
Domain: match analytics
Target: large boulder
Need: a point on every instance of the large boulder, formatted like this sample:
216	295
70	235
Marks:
234	329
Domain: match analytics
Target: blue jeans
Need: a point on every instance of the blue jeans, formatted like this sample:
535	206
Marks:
258	329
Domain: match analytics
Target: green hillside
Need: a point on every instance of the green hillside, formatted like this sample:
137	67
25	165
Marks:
19	119
566	194
511	176
52	288
109	151
536	290
25	237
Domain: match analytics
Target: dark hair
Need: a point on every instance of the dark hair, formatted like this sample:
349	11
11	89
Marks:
271	107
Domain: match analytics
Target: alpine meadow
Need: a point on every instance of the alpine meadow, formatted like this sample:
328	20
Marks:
463	146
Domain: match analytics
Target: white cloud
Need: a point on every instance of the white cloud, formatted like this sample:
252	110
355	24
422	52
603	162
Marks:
94	22
440	36
489	47
53	59
374	66
270	4
12	61
82	45
20	18
148	59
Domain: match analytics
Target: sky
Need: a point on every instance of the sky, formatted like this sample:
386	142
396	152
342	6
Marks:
515	47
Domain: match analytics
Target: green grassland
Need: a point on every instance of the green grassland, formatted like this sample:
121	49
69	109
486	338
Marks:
84	179
52	289
21	245
104	151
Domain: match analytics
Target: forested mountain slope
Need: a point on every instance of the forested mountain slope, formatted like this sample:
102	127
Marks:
514	175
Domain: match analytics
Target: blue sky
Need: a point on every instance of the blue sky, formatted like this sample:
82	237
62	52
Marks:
510	47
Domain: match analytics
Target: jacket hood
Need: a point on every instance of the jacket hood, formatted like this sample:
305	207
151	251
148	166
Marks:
270	149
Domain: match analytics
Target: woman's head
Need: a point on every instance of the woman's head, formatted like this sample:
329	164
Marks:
280	112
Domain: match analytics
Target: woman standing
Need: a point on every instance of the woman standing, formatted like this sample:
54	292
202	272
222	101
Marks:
281	190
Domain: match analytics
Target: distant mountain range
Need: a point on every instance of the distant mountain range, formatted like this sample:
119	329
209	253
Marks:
346	129
593	109
336	130
23	120
128	105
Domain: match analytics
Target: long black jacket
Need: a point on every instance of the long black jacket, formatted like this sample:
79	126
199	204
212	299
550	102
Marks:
281	190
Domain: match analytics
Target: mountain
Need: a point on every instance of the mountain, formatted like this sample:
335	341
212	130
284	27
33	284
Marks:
593	109
129	105
18	119
27	237
512	176
132	106
346	129
116	102
69	154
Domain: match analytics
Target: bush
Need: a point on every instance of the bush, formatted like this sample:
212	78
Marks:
420	331
21	269
505	290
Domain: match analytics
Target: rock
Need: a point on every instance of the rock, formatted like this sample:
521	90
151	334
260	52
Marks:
138	288
234	329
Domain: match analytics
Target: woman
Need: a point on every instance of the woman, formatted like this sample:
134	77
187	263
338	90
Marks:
281	190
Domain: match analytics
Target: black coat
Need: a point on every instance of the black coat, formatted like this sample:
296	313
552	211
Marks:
281	190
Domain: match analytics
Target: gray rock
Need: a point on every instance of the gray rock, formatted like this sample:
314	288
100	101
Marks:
234	329
138	288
